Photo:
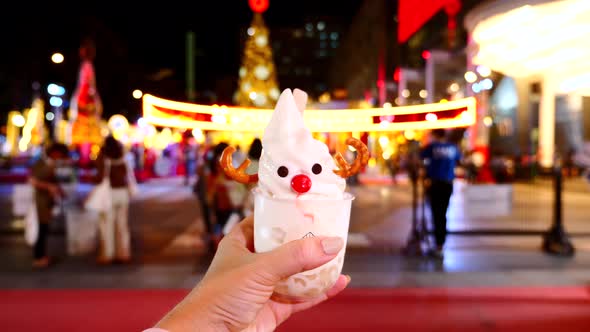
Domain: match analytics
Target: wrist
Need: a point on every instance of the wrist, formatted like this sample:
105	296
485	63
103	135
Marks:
185	319
190	322
193	314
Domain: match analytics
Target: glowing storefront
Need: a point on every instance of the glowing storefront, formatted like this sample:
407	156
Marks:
543	45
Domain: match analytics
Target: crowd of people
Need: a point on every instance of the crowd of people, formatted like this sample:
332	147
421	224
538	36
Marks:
223	202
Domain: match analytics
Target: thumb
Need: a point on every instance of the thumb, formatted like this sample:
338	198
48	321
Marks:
300	255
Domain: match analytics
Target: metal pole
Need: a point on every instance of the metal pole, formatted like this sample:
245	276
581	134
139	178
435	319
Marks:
414	201
190	66
556	241
413	246
417	242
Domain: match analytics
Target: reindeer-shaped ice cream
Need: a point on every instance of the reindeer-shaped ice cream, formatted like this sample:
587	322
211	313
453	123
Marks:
300	192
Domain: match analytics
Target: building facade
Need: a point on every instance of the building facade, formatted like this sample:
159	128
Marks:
543	103
304	53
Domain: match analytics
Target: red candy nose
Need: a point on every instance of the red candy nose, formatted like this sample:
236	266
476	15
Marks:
301	183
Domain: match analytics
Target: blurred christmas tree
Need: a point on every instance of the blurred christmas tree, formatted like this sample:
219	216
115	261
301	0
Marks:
257	86
86	105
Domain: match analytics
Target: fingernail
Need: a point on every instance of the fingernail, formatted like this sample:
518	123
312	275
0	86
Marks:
332	245
347	279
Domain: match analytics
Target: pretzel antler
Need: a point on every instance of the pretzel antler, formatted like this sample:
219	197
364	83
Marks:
237	174
344	169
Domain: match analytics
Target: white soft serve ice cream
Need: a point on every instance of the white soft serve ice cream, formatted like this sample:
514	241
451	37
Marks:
293	164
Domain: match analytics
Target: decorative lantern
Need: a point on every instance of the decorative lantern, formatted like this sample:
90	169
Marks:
258	6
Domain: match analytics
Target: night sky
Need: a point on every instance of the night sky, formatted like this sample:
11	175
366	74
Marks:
136	44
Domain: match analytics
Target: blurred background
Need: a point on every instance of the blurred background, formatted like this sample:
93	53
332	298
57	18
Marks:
173	83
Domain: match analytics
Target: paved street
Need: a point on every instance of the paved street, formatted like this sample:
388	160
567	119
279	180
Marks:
170	253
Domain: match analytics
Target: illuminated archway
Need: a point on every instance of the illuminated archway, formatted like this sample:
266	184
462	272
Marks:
167	113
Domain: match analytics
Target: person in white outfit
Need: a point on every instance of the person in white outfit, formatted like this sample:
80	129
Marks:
113	227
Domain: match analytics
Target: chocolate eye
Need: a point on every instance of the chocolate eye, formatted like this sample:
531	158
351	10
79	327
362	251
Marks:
283	171
316	169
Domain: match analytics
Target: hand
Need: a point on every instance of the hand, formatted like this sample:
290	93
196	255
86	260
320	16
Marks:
235	293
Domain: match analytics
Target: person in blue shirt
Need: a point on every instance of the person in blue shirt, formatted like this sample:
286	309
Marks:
440	158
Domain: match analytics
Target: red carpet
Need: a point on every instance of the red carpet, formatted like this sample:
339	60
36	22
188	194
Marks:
454	309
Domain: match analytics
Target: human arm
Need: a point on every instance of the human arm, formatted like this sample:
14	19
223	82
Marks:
236	292
52	188
37	179
426	152
100	167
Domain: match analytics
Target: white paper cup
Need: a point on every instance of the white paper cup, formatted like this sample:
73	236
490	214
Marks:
278	221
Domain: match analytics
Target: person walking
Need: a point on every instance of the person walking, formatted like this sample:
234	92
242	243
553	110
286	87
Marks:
224	195
201	190
113	225
440	158
46	191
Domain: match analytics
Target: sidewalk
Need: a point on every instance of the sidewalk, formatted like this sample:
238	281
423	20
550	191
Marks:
170	253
